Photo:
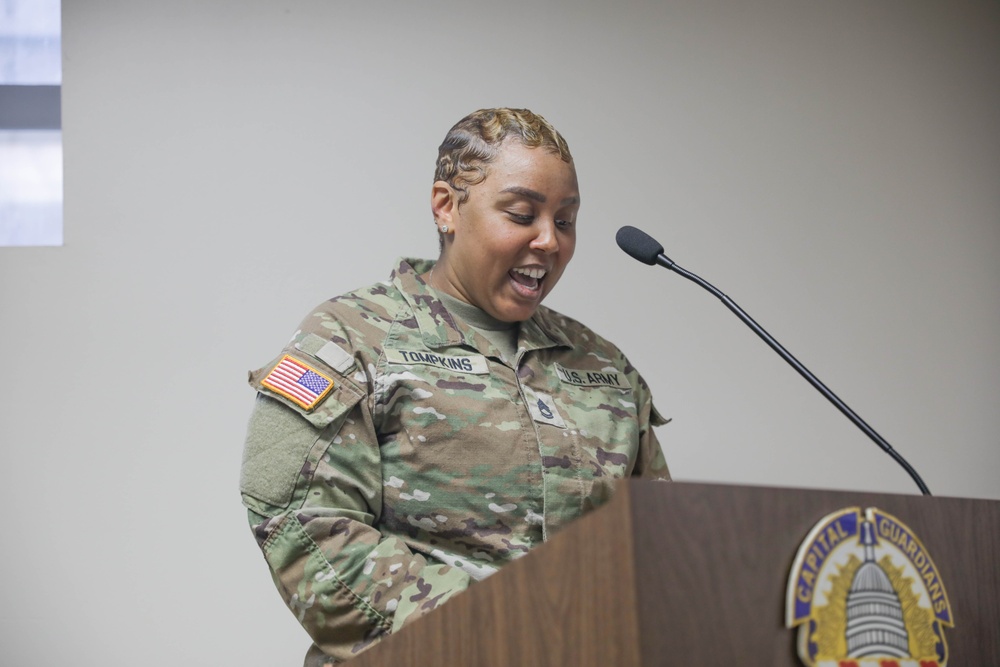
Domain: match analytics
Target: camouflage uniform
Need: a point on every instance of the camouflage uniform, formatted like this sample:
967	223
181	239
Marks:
419	460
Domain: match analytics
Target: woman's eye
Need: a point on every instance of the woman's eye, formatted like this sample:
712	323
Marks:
564	224
523	219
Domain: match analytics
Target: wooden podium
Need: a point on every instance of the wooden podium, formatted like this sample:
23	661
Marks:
690	574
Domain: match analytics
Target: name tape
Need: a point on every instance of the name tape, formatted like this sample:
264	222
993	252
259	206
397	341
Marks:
475	363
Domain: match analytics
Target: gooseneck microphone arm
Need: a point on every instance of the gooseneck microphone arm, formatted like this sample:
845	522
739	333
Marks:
644	248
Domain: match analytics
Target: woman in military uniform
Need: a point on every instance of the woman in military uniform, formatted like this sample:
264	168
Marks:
416	435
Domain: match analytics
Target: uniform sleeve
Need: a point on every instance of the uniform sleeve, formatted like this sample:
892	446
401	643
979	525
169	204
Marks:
311	481
650	463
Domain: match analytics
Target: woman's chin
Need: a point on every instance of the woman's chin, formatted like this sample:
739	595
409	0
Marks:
517	309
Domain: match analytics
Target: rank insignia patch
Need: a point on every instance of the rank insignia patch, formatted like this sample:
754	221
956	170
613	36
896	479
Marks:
864	592
542	408
298	382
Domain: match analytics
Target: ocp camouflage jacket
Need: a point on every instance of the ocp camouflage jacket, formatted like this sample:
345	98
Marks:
393	455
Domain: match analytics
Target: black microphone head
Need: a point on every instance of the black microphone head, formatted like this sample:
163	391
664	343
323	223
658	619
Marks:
638	244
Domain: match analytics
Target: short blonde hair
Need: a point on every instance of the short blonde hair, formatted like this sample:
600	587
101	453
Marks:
475	141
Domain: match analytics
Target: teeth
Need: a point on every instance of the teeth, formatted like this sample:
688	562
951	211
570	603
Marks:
532	273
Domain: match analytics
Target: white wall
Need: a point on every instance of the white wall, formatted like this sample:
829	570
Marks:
832	166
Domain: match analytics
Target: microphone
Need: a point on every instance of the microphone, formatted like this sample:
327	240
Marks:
643	247
638	244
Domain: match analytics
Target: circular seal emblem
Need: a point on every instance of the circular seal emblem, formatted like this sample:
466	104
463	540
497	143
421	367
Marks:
864	592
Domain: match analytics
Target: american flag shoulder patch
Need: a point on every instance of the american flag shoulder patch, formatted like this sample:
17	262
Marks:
298	382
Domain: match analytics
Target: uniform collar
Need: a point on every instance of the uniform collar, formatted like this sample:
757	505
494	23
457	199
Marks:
440	328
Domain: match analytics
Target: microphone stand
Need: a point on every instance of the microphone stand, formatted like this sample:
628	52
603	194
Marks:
668	263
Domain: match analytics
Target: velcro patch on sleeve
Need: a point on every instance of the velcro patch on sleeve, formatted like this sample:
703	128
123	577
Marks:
336	356
298	382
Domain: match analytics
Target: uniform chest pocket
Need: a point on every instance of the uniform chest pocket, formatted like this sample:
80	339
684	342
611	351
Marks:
447	438
440	398
599	405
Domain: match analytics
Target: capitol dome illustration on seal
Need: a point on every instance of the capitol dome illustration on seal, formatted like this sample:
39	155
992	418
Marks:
864	592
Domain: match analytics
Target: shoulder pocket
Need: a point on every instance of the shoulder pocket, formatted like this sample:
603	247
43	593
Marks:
288	419
310	388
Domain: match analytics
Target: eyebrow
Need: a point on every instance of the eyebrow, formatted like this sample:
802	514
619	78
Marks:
538	196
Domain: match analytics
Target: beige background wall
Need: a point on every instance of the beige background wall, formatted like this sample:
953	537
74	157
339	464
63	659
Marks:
832	166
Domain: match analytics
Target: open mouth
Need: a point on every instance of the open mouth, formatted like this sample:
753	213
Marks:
527	281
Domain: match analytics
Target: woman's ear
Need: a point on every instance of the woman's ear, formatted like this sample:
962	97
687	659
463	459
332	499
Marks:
444	203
